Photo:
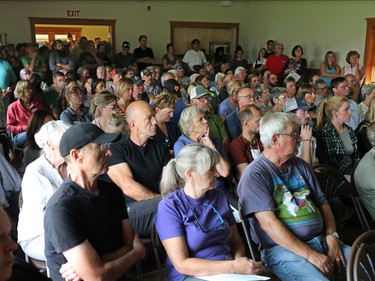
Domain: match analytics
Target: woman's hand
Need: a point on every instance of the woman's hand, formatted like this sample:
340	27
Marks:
306	132
246	266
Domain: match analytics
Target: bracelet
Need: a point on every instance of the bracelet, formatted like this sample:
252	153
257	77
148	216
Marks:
307	140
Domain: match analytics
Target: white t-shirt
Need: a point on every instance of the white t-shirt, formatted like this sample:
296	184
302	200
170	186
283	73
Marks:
192	58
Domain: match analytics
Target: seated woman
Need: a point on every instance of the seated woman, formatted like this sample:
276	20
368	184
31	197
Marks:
337	142
307	93
263	97
32	150
103	104
40	181
363	143
20	111
76	111
195	129
297	64
195	222
124	94
167	132
62	103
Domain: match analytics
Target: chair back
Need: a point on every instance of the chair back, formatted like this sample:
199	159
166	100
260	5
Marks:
246	229
361	262
331	181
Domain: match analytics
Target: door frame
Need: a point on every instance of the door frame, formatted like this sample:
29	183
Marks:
73	21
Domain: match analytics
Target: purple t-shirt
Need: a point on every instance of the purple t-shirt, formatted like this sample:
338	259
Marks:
293	194
207	234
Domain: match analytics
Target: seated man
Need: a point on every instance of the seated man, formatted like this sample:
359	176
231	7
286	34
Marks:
245	97
136	166
290	218
86	222
200	97
364	174
247	146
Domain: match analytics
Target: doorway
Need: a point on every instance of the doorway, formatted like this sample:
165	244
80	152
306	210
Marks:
47	29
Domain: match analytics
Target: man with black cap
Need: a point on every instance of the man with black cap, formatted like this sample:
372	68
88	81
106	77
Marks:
87	230
194	56
124	59
307	146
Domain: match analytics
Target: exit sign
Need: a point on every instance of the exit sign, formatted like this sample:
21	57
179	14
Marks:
72	13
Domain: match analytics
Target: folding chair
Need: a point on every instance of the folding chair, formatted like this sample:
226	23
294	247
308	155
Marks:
361	262
246	229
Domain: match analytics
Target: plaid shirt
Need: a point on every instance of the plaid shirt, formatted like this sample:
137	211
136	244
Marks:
332	150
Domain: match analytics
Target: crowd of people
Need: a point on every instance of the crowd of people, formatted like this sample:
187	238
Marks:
113	145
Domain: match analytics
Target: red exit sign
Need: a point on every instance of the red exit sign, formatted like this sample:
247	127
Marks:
72	13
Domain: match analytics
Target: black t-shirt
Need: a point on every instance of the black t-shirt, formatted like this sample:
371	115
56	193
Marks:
121	60
146	163
140	53
74	214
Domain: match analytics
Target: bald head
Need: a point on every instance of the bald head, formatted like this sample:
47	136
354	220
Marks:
245	96
135	110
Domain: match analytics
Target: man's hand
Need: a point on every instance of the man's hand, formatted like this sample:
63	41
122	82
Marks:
68	273
334	252
139	247
321	262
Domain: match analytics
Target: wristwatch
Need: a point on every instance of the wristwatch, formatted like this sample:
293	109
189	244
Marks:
334	234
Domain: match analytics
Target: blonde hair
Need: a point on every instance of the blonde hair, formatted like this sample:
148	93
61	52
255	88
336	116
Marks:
20	88
234	86
326	108
370	114
197	158
101	99
122	85
165	100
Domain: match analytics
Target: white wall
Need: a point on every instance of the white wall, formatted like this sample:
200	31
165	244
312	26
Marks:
318	26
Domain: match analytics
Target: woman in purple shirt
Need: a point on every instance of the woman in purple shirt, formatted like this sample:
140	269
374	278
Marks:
195	222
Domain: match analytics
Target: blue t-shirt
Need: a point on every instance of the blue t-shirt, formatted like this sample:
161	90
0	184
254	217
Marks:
206	233
293	194
226	108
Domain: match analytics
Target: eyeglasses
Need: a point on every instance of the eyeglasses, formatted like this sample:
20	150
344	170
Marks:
205	98
294	135
220	224
255	97
104	146
114	106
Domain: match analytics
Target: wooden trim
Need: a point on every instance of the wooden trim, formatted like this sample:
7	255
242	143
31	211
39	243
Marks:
73	21
368	59
194	24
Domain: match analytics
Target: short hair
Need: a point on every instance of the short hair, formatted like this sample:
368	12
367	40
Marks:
218	76
197	158
251	76
81	69
186	118
234	85
238	70
247	112
336	81
274	123
24	72
318	83
276	92
169	45
260	88
288	79
351	53
195	41
165	100
98	68
116	120
57	74
304	89
370	113
21	87
165	74
101	99
141	37
51	131
371	133
270	41
367	89
295	48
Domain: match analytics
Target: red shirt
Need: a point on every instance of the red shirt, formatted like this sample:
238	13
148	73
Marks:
276	64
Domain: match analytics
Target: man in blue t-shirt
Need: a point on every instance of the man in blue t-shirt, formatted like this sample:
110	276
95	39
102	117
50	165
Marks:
290	217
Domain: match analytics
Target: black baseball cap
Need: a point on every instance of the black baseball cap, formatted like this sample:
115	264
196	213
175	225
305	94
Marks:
83	133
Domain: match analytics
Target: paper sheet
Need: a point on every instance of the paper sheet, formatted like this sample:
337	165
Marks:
233	277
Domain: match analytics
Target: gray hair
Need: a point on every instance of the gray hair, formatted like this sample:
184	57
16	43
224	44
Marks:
273	124
276	92
238	70
197	158
187	116
260	88
218	76
367	89
165	74
318	83
371	133
51	131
